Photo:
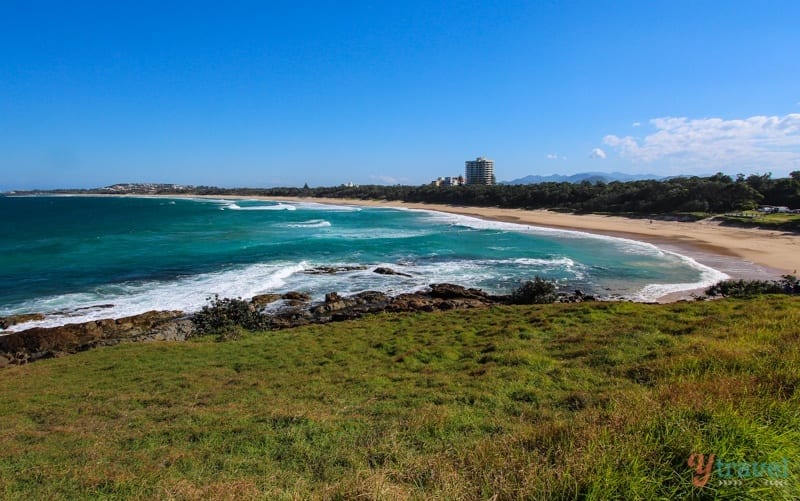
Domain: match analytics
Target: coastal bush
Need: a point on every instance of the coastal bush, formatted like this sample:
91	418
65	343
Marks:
226	316
788	284
538	291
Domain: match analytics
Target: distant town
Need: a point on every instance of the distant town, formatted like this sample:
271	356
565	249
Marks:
746	198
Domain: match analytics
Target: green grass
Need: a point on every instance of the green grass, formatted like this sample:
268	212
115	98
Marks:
777	221
594	401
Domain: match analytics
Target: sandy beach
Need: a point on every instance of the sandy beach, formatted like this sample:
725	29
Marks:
739	252
746	253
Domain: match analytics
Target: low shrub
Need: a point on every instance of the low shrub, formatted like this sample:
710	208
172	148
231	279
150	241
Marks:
226	316
538	291
788	284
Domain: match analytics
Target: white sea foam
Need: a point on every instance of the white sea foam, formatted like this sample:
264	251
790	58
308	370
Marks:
279	206
379	233
708	276
629	245
327	207
186	294
311	223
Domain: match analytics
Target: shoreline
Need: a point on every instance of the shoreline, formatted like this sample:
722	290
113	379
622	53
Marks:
771	252
741	253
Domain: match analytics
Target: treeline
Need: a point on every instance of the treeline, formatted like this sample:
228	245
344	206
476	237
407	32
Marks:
715	194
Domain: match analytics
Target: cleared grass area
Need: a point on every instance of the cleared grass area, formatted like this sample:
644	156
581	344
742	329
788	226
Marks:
594	401
777	221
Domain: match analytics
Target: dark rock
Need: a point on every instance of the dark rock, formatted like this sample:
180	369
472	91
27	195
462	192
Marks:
576	297
441	297
21	358
411	302
388	271
43	342
297	296
321	270
262	300
6	322
371	297
450	291
332	297
178	330
95	307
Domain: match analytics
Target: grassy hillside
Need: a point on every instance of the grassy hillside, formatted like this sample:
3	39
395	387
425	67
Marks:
556	401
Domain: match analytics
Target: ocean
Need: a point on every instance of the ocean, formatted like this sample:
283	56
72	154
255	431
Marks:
77	258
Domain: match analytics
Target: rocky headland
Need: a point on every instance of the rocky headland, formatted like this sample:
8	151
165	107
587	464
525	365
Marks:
282	311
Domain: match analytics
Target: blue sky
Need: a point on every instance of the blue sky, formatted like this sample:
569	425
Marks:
283	93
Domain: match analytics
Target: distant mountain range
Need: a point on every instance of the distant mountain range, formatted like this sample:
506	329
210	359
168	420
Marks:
592	177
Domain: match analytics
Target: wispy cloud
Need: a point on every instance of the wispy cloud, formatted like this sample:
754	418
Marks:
555	156
386	179
597	153
716	142
636	124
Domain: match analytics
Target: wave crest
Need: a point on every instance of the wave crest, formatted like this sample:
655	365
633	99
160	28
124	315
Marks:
311	223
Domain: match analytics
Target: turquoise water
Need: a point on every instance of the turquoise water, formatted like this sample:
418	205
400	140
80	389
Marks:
80	258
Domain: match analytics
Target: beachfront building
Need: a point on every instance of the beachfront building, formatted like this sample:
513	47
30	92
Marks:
449	181
480	171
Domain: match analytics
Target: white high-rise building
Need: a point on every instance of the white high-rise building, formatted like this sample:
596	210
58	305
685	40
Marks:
480	171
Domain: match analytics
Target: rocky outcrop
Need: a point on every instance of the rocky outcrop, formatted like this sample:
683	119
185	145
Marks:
297	296
43	342
388	271
292	309
6	322
262	300
576	297
442	297
336	308
292	298
329	270
450	291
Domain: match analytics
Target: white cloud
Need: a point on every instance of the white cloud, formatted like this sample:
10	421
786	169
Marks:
714	142
551	156
597	153
636	124
386	179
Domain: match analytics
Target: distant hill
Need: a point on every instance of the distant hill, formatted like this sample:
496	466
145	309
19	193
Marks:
592	177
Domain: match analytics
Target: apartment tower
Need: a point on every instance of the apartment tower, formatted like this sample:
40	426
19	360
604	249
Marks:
480	171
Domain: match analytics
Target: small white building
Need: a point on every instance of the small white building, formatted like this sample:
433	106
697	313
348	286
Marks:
449	181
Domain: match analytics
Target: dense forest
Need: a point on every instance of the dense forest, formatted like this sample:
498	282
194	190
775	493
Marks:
686	196
715	194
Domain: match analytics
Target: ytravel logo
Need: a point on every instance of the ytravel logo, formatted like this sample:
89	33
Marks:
734	472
